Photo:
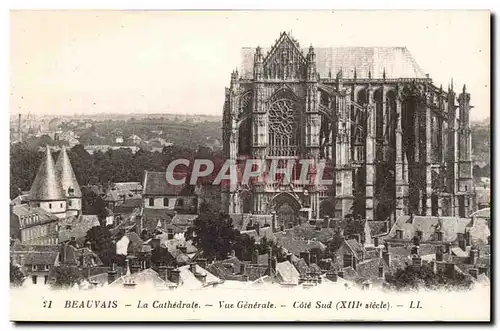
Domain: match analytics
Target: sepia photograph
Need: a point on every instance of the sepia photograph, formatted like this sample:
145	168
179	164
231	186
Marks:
250	165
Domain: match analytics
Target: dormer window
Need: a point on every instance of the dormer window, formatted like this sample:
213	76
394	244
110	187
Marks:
68	227
34	267
71	191
69	203
419	234
439	236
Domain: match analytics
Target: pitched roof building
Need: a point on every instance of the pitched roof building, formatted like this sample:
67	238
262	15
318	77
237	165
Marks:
67	178
46	191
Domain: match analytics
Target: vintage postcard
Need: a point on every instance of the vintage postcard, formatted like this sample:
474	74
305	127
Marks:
250	165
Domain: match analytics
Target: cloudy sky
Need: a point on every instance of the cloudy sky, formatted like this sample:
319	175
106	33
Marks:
66	62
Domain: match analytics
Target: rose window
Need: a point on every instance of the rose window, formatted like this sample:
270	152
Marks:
282	127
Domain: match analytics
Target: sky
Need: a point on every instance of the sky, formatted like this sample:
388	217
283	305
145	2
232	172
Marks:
86	61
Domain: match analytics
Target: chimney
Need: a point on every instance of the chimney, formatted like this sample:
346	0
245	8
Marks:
314	259
387	258
257	227
175	276
417	261
255	257
112	273
439	253
332	276
62	254
467	238
233	253
375	241
450	270
381	273
134	268
473	254
380	253
273	221
243	269
273	265
340	273
162	271
461	243
192	267
169	272
202	262
447	248
282	228
270	260
326	221
473	272
414	250
306	256
289	257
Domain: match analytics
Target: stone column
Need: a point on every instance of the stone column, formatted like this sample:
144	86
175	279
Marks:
370	154
428	157
401	166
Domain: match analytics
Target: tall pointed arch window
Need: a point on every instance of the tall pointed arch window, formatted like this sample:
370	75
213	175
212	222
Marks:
283	126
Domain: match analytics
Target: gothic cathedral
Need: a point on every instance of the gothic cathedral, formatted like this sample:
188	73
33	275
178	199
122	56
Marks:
396	143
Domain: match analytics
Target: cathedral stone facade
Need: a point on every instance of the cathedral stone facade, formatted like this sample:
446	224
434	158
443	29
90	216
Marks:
397	144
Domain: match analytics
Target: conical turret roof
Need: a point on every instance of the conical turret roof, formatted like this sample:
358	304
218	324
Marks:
46	186
66	176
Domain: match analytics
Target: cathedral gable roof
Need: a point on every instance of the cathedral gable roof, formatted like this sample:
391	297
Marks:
66	176
396	61
46	186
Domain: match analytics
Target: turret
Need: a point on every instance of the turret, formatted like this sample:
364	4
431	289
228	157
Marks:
69	184
258	67
46	191
311	65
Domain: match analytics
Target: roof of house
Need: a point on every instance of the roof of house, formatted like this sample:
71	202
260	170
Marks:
241	221
66	176
287	272
429	225
143	277
483	213
189	280
129	186
156	184
396	62
27	211
151	217
78	226
46	186
39	258
122	195
356	247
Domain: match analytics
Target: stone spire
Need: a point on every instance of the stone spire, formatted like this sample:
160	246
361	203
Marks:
46	186
66	176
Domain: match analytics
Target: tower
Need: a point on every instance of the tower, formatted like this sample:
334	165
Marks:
66	177
46	191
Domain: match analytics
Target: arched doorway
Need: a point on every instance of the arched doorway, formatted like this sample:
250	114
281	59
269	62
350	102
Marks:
287	210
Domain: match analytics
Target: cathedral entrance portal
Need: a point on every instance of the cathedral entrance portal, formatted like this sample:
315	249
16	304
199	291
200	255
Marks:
287	210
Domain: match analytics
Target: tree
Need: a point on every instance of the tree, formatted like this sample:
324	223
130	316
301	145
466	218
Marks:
16	275
93	204
67	276
411	278
214	234
161	256
102	243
